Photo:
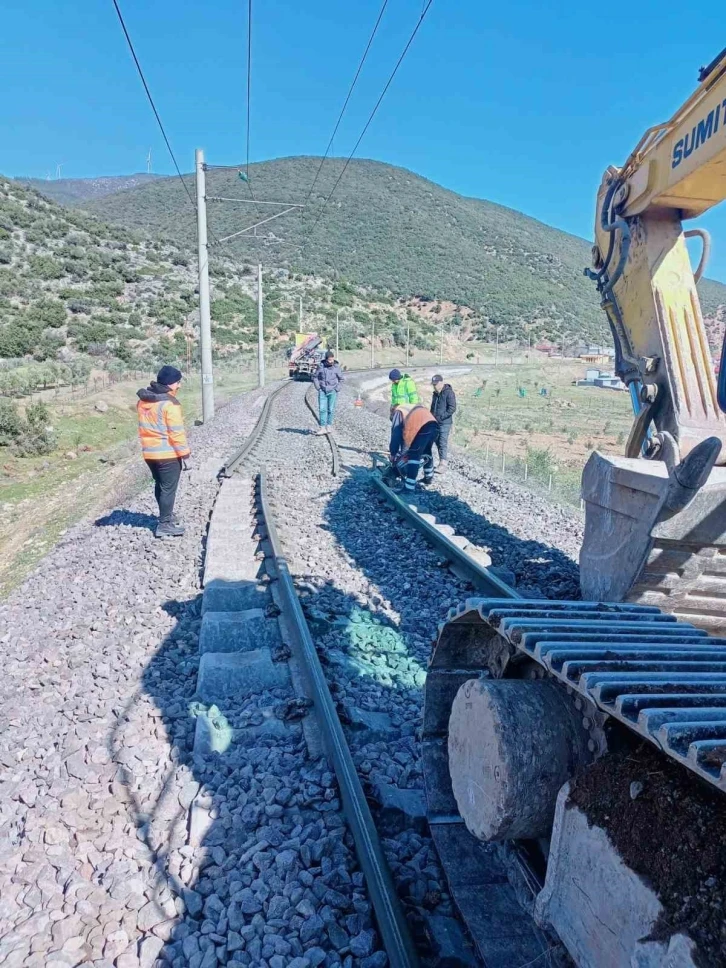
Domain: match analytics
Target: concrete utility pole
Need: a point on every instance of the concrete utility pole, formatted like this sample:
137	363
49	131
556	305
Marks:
205	325
260	332
299	316
496	348
441	347
337	333
408	341
373	335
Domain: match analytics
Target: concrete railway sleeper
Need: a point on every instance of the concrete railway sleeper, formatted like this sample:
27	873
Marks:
255	642
521	697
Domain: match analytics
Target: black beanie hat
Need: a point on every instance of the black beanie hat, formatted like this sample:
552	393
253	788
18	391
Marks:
168	375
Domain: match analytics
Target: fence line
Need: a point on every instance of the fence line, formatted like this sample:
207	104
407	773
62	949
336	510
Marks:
522	470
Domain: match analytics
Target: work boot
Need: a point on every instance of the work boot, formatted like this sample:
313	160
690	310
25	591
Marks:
169	529
320	432
328	429
441	469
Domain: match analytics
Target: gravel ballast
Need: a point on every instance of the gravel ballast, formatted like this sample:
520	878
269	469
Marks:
99	863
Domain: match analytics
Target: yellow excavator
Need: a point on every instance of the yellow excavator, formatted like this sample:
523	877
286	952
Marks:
525	698
655	529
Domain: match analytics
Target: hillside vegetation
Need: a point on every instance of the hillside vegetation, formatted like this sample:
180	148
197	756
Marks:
77	294
391	229
76	191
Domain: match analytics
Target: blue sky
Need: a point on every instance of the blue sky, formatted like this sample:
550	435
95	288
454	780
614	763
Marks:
523	103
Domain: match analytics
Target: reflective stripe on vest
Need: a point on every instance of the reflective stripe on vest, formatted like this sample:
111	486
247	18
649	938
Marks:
155	434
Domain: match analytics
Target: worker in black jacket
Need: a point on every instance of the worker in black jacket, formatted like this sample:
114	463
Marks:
443	407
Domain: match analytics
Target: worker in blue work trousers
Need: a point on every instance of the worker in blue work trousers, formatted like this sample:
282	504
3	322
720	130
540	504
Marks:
327	381
414	430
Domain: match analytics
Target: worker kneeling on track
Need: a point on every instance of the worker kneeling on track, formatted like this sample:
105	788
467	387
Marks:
414	431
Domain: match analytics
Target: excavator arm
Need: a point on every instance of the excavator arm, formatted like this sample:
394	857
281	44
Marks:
655	522
643	272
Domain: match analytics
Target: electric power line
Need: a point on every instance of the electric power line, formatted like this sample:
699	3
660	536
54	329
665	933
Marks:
249	103
216	240
368	122
153	106
249	79
347	99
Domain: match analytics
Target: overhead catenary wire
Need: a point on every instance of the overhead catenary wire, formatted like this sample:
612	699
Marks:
249	109
371	116
153	105
249	81
347	99
160	123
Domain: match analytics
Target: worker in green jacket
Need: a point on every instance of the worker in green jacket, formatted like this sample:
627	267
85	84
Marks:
403	390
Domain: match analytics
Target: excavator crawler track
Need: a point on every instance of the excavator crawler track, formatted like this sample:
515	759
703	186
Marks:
660	677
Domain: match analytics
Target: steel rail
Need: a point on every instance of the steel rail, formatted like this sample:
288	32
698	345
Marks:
392	924
253	437
331	440
477	574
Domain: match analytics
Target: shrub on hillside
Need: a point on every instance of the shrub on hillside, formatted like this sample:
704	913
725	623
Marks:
48	345
45	267
36	437
31	437
87	333
79	306
17	339
49	312
11	425
341	296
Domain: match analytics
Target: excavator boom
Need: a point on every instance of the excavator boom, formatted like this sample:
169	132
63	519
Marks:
647	539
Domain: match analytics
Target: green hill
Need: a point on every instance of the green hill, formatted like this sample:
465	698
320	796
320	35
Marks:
77	191
389	228
77	294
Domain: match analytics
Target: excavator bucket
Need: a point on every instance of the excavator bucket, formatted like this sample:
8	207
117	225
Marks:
639	549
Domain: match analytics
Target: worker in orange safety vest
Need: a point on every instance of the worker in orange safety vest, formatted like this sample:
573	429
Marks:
163	444
414	431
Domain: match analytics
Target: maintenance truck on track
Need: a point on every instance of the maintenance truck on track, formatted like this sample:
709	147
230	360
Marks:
306	356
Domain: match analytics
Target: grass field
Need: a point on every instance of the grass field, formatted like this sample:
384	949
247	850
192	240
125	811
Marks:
502	412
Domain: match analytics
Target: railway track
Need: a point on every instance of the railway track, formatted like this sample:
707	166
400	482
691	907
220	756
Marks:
256	434
264	814
498	944
390	919
389	914
616	659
